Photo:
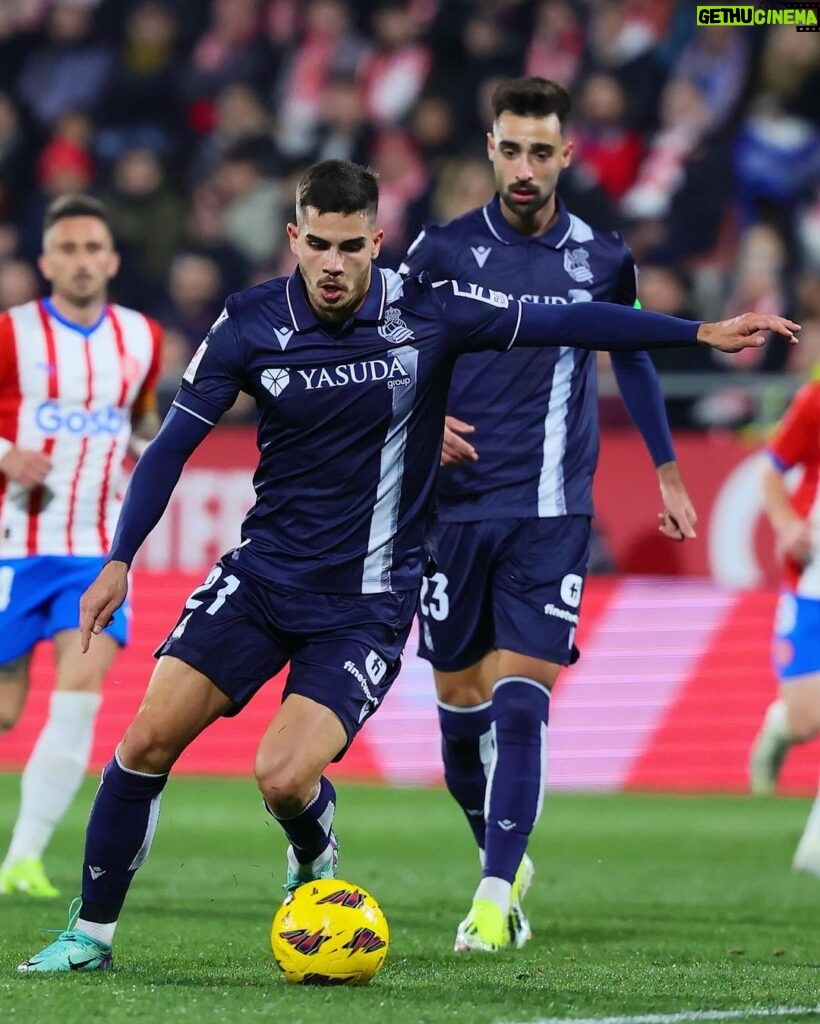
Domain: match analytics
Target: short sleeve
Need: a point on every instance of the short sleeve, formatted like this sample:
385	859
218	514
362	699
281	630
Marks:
215	374
477	318
797	439
425	254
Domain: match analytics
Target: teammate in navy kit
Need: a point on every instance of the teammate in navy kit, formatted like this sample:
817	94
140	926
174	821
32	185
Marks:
350	369
498	617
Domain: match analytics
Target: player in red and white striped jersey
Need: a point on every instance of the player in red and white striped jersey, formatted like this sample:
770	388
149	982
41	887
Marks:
795	716
77	377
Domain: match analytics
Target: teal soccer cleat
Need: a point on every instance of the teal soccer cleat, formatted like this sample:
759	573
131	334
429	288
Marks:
71	951
324	866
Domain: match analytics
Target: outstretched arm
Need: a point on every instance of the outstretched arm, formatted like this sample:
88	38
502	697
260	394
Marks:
478	318
606	325
149	490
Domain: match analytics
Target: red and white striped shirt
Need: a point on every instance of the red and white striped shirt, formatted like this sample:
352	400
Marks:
796	442
70	393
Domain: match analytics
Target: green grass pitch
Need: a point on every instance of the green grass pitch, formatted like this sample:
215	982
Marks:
642	904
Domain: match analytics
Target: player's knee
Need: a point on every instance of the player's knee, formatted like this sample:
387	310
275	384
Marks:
146	749
285	786
8	720
459	694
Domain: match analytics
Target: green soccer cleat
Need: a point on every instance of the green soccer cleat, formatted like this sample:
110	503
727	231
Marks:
483	930
518	924
71	951
27	877
324	866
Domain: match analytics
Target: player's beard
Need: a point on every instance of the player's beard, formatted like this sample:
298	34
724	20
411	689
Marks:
83	292
525	211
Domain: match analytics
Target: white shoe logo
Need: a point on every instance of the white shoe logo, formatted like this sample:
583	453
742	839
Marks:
95	872
507	825
481	252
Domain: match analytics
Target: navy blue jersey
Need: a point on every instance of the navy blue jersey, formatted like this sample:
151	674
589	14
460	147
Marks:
535	411
350	422
351	418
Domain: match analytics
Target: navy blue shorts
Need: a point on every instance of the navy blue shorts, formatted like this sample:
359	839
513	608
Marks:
504	583
344	649
40	596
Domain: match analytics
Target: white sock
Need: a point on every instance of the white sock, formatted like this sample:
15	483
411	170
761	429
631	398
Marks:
54	772
101	932
776	723
497	890
811	833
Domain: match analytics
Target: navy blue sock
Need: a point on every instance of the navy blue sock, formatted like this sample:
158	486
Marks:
462	730
119	835
515	788
309	830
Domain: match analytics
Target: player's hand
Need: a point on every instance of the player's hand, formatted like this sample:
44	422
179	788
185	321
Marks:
455	448
101	600
677	521
796	540
25	467
746	331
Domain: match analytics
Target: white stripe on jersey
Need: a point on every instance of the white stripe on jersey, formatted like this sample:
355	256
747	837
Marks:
86	425
552	499
808	585
379	557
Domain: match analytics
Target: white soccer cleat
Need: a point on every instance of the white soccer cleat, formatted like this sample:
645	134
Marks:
768	753
807	856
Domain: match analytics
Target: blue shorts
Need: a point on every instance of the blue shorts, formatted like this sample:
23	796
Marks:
796	647
514	584
40	595
344	649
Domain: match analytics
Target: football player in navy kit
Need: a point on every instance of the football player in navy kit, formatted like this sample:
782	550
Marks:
349	366
498	617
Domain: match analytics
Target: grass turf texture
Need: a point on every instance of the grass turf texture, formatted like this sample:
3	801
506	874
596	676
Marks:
640	904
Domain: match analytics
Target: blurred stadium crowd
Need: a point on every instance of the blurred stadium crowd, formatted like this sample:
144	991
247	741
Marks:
192	120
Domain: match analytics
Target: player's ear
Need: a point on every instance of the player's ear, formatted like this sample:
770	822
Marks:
566	153
377	242
490	145
42	266
293	236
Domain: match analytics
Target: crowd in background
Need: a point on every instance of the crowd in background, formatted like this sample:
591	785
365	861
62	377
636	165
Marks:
192	120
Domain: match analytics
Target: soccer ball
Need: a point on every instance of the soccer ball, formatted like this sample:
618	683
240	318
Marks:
329	932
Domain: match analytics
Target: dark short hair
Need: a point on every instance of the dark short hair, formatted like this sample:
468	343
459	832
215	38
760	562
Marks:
338	186
74	206
532	97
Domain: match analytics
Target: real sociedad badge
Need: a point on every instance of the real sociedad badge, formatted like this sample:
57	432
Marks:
576	264
394	329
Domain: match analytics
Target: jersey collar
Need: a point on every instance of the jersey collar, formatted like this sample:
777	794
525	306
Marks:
557	236
304	318
85	331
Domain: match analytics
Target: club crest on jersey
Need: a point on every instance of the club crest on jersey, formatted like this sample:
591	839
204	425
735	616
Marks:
481	252
275	380
394	329
576	264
